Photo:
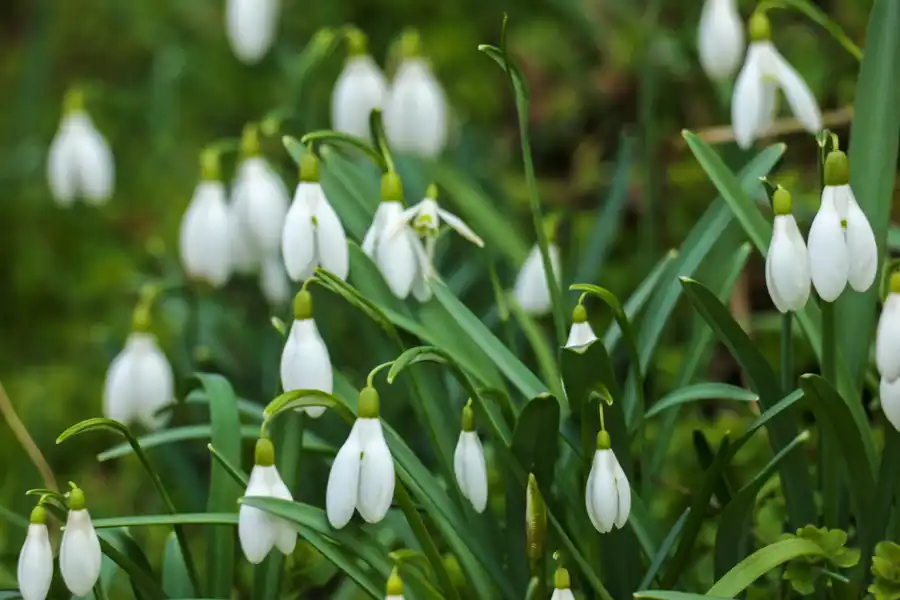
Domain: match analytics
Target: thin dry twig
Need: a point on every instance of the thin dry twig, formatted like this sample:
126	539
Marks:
21	433
724	133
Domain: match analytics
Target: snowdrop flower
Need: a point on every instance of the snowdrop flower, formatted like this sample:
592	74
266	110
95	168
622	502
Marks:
35	571
415	112
273	281
204	238
79	551
531	291
258	531
562	585
305	363
753	102
398	254
580	334
787	261
245	257
313	234
842	246
362	475
80	163
139	382
469	464
607	496
394	588
251	26
720	38
887	339
890	401
360	88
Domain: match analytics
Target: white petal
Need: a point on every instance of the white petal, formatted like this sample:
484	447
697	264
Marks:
459	465
720	39
285	534
62	167
331	241
580	334
890	401
829	261
531	291
623	493
96	170
273	281
589	491
425	272
298	241
887	339
79	553
305	362
460	227
787	273
343	481
35	572
474	470
395	255
373	233
251	26
376	475
205	241
266	204
861	246
360	88
415	112
245	256
750	99
402	221
605	498
256	530
800	98
153	381
565	594
119	393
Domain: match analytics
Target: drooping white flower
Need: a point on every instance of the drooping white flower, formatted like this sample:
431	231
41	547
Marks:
754	99
415	111
581	333
720	38
251	26
360	88
262	202
607	495
258	531
205	239
245	256
313	233
562	585
79	551
787	261
305	362
469	465
887	338
35	571
273	281
362	475
80	163
531	291
890	401
842	247
139	382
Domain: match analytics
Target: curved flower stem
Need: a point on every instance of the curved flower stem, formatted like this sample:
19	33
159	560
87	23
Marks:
371	377
21	432
326	136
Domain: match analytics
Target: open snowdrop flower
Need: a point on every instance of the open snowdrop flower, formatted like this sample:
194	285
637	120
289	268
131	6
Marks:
313	233
204	239
35	572
251	27
397	253
887	338
469	464
531	290
890	400
753	102
787	261
360	88
394	588
139	382
842	246
79	551
562	585
580	334
80	163
305	362
362	475
607	496
258	531
415	112
720	38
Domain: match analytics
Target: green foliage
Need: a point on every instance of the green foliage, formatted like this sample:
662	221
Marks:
804	572
886	570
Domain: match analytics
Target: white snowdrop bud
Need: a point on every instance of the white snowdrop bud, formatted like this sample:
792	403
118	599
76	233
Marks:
890	401
562	585
887	338
362	474
360	88
35	572
205	240
720	38
79	551
842	247
258	531
753	102
607	495
251	26
139	382
469	464
305	362
531	291
580	334
787	261
80	163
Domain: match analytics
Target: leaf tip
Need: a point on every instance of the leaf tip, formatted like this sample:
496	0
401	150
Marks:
687	133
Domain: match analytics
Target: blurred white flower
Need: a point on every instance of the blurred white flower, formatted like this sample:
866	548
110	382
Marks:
562	585
787	261
305	362
251	26
205	239
887	339
35	571
469	465
607	495
139	382
273	281
360	88
753	102
258	531
245	257
80	163
79	551
720	38
842	247
581	333
261	201
890	401
531	291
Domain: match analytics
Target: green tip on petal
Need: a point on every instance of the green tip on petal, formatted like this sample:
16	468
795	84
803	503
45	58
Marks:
561	579
368	403
394	584
76	499
250	140
303	307
579	314
837	169
209	165
781	201
38	515
357	43
265	453
603	441
468	417
391	187
309	167
759	28
894	284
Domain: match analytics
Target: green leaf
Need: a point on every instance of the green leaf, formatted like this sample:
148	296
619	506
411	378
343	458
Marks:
695	393
297	399
664	595
124	551
543	351
170	436
761	562
664	549
886	488
176	582
873	167
535	440
204	518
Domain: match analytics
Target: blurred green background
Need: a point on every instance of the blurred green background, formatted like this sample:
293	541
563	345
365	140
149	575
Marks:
613	83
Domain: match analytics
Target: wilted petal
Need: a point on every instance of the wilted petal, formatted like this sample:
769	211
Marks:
829	261
35	570
376	476
360	88
343	481
79	553
298	240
